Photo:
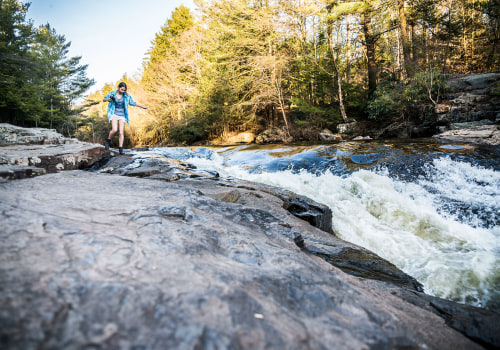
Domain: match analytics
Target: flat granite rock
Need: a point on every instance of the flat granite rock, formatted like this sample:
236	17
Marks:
29	152
102	261
481	135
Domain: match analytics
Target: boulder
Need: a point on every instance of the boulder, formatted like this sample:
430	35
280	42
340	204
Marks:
11	134
328	136
160	168
242	137
480	135
150	166
471	97
273	135
347	127
362	138
441	108
97	260
28	152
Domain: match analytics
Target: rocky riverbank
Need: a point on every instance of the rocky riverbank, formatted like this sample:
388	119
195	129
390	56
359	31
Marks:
29	152
147	252
469	112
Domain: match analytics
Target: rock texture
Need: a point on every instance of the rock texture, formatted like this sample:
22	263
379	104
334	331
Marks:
471	98
482	134
471	113
97	260
32	152
273	135
11	134
328	136
159	168
169	265
241	137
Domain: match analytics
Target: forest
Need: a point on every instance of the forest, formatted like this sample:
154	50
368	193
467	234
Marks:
231	66
39	83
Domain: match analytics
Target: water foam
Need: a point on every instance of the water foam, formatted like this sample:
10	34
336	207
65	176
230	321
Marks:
402	222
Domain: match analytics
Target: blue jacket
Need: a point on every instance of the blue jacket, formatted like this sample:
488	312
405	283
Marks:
127	100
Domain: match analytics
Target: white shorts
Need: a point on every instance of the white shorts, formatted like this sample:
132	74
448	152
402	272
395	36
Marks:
118	118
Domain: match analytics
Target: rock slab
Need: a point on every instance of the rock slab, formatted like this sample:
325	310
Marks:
29	152
102	261
481	135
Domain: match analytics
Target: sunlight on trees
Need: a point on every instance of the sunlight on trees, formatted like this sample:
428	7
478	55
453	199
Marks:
303	65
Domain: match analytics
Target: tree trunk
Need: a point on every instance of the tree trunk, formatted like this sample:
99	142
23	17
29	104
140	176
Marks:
404	39
341	99
348	44
337	74
370	48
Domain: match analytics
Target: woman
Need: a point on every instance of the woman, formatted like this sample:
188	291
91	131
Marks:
119	101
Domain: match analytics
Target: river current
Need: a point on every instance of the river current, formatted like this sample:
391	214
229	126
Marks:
430	208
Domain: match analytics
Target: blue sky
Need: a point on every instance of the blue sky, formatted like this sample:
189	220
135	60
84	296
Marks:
111	36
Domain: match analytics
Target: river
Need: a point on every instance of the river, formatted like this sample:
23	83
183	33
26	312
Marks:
430	208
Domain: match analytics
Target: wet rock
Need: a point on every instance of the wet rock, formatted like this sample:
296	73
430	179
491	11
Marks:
362	138
97	260
316	214
91	260
273	135
365	264
481	135
479	325
151	166
328	136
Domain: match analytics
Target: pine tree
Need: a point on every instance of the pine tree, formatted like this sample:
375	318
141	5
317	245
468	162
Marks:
17	90
39	83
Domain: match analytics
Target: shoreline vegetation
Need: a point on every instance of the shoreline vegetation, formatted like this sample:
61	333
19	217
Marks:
271	71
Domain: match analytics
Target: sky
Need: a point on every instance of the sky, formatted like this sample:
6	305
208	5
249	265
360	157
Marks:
111	36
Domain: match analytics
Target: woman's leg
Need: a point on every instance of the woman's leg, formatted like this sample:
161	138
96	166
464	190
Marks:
121	124
114	128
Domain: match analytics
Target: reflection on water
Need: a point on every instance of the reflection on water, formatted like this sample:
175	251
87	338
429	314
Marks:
345	157
430	208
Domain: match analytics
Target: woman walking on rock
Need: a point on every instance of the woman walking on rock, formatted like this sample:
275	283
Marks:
119	101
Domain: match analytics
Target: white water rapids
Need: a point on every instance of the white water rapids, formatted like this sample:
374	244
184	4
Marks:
453	254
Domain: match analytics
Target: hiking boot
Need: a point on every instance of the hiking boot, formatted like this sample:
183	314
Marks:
106	144
120	149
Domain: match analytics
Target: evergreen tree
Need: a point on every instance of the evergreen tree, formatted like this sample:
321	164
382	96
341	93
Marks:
248	65
39	82
164	41
62	80
17	91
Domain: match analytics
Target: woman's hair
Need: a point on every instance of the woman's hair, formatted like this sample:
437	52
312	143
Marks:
122	84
